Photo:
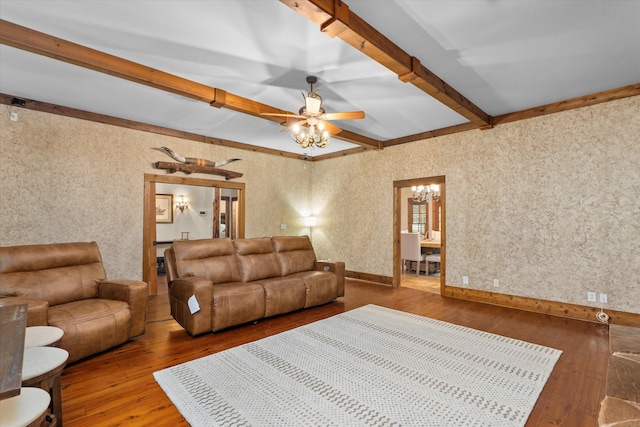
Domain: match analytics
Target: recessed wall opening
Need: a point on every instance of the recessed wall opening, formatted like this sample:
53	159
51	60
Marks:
214	209
419	233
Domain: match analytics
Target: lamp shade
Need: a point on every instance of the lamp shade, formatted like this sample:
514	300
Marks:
310	221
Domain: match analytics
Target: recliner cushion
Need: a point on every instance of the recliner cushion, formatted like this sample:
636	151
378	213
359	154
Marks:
256	259
283	294
321	287
91	325
294	254
57	273
236	303
213	259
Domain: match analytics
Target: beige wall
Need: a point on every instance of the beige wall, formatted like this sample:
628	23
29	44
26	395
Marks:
549	206
64	179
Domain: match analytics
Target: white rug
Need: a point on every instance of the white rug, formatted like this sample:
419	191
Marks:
372	366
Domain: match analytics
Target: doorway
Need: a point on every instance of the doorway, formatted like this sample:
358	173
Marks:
236	196
434	222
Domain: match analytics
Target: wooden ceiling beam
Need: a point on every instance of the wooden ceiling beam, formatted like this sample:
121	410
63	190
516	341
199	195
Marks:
336	20
43	44
570	104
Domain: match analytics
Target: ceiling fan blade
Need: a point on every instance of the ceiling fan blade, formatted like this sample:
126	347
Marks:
346	115
297	116
331	128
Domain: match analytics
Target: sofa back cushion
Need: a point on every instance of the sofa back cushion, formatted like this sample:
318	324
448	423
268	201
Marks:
256	259
213	259
294	254
57	273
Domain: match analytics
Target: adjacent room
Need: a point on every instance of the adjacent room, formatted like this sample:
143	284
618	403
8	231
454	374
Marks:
320	212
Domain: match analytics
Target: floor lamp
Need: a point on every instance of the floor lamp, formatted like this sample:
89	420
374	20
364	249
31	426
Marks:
310	221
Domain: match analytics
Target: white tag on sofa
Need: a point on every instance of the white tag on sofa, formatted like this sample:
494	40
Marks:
194	307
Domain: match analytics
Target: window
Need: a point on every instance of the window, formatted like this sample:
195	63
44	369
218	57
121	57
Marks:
417	217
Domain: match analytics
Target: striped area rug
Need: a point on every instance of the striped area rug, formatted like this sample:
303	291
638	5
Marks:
372	366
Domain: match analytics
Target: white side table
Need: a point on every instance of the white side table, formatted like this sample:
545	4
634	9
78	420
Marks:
42	367
27	409
42	336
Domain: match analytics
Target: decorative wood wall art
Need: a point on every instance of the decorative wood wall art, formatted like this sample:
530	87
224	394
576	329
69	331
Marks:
174	167
192	164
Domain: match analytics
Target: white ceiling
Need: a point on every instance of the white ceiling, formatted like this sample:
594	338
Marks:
503	55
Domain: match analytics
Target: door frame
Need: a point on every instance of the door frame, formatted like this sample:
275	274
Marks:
149	271
397	210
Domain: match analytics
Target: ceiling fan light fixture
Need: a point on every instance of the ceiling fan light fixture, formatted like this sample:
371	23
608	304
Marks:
313	126
313	105
307	137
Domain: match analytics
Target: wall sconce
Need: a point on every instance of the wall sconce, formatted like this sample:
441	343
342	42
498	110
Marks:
182	204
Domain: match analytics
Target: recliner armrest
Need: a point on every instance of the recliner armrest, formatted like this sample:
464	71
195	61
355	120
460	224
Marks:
336	267
133	292
184	287
180	291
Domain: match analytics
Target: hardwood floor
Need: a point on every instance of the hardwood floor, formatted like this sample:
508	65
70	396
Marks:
118	388
421	283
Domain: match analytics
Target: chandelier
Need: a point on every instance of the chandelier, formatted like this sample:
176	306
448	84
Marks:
312	135
312	130
422	193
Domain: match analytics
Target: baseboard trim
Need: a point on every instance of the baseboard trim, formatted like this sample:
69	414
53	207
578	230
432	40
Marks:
385	280
554	308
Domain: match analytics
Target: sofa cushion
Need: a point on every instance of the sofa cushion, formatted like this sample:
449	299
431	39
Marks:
283	294
91	325
57	273
236	303
321	287
256	259
213	259
294	254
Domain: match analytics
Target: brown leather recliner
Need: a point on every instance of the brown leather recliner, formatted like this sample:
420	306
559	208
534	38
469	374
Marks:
65	285
218	283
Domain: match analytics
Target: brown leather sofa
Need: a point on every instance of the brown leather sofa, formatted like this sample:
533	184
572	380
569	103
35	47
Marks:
238	281
64	285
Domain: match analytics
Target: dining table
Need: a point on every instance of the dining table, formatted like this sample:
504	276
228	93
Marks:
430	243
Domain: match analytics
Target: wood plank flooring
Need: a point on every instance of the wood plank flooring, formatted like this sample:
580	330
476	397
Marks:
117	388
421	283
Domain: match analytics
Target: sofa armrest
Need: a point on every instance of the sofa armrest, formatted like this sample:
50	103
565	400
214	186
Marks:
134	293
336	267
180	291
37	309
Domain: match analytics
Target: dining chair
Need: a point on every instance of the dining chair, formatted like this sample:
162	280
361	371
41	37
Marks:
410	250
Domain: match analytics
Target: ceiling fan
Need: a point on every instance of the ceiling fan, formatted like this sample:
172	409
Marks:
313	126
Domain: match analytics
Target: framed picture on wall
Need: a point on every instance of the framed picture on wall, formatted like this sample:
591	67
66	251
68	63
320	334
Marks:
164	208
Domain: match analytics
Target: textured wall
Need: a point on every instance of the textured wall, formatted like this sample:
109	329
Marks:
63	179
549	206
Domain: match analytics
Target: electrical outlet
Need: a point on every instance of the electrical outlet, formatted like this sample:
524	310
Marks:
603	298
496	283
591	296
283	226
465	280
